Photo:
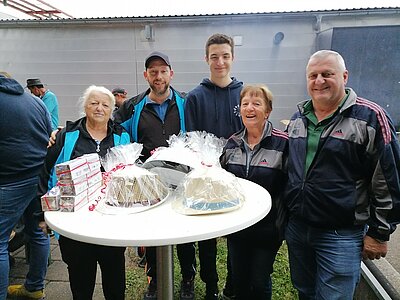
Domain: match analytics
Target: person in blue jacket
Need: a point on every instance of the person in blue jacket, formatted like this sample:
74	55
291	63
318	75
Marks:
49	99
154	115
95	132
24	131
257	153
213	106
151	118
343	186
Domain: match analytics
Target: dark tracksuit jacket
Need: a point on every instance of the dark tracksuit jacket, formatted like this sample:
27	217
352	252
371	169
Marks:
264	166
354	178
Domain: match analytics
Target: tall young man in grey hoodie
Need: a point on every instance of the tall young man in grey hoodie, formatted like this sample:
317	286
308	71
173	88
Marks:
213	106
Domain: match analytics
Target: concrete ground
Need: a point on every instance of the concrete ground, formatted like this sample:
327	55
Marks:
57	284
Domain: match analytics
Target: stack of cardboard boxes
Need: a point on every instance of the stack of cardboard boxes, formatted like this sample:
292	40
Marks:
78	182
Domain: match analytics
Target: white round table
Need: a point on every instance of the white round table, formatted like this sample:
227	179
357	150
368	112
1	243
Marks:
160	226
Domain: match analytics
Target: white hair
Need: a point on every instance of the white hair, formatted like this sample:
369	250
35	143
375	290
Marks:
88	92
325	53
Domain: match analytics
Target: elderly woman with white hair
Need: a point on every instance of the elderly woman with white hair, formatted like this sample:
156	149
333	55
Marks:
95	132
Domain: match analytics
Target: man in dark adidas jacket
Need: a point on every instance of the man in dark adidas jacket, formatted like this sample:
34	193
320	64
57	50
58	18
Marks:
344	183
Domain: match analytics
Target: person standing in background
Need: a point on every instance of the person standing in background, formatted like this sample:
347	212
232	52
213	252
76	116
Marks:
213	106
49	99
25	130
343	191
120	95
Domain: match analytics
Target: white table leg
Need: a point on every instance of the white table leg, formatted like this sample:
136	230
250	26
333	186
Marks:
165	272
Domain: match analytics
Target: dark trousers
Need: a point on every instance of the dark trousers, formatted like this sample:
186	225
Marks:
208	262
252	267
82	259
186	256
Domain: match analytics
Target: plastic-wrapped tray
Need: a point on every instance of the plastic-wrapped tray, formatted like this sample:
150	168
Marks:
208	190
172	164
108	209
132	189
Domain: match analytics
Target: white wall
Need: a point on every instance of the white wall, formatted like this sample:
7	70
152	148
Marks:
72	55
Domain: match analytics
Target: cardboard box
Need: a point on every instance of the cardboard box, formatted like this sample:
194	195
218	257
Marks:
79	185
73	187
72	169
51	200
93	161
73	203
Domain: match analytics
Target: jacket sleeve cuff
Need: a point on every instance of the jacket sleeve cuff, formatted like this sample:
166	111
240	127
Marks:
380	237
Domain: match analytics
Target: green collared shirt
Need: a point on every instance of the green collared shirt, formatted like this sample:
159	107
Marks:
315	129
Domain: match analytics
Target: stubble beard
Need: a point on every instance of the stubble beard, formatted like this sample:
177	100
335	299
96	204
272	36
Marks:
158	91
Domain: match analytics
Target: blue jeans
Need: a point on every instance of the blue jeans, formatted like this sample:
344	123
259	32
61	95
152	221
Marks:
324	263
19	200
252	266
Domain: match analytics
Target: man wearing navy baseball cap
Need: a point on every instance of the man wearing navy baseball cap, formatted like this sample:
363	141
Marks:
156	55
151	118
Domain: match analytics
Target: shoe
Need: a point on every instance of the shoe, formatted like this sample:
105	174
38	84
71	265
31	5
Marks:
19	291
211	296
187	290
151	293
211	292
228	294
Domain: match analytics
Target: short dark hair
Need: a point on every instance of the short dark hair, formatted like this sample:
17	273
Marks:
219	38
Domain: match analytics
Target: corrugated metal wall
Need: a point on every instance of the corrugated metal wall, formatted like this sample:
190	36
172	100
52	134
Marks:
71	56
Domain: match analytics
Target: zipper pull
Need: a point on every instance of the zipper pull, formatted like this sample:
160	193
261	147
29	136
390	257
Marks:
98	146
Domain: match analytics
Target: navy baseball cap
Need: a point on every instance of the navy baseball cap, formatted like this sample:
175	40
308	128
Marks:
156	54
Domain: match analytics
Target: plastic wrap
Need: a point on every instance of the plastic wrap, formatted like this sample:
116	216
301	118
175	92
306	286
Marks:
129	188
207	146
122	155
208	190
134	186
185	153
